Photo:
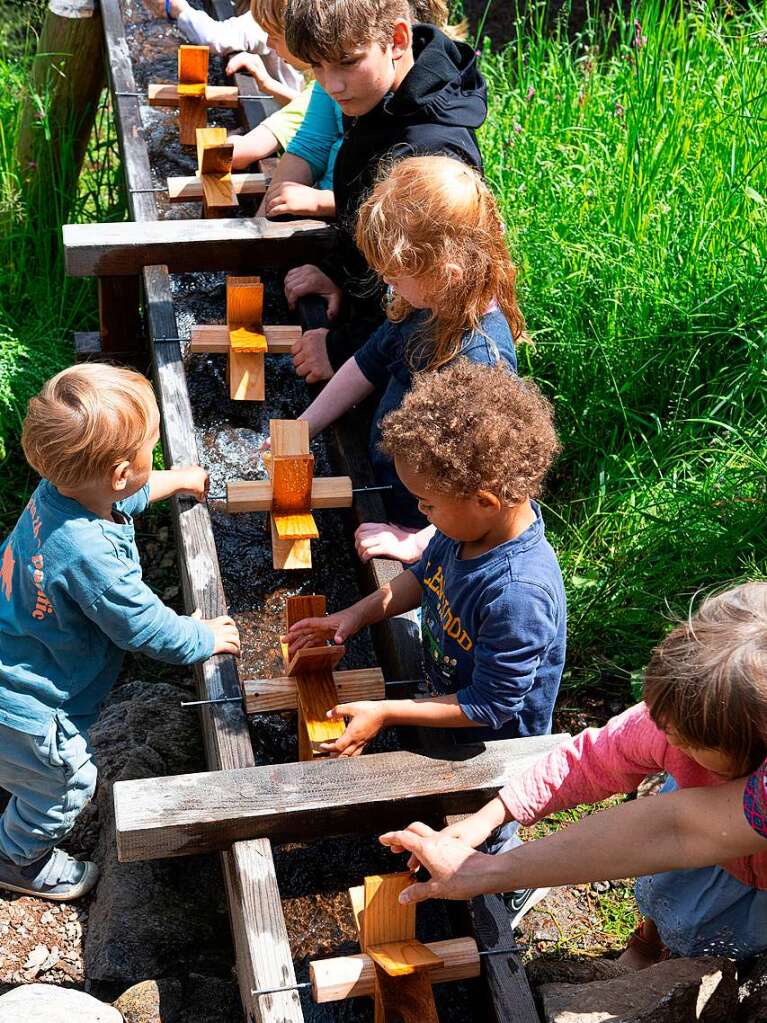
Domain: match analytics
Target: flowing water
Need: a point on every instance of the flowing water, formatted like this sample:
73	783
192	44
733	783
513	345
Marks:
313	877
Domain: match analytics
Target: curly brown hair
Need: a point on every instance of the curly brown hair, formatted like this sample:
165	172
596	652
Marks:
471	427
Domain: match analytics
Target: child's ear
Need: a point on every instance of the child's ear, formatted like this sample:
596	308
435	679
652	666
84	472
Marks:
487	501
120	475
402	38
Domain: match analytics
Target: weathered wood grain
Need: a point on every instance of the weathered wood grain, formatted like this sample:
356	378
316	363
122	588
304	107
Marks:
188	189
353	976
165	95
186	246
195	813
270	694
253	895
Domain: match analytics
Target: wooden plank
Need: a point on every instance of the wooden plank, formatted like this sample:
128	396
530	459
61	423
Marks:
251	884
291	483
214	153
247	342
401	958
246	376
193	813
192	117
196	89
189	189
215	340
256	495
315	658
289	555
161	94
289	436
316	696
404	999
304	605
244	302
193	64
353	976
272	694
296	527
186	246
385	918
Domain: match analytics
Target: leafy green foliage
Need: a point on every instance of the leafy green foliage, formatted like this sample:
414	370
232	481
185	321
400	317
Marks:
631	173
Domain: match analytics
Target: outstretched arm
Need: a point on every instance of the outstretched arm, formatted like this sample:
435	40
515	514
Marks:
685	829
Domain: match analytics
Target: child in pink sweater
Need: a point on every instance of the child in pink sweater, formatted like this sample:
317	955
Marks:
703	722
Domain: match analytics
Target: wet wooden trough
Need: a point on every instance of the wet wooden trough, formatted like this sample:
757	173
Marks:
138	325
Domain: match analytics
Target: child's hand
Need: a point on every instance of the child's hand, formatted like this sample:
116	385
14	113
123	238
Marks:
195	482
253	64
310	356
226	638
291	197
157	7
366	719
314	631
385	540
310	280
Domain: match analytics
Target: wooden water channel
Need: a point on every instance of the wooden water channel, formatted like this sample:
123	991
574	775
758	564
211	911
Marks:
128	281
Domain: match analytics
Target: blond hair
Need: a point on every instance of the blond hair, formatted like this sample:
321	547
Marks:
425	214
269	14
85	421
707	680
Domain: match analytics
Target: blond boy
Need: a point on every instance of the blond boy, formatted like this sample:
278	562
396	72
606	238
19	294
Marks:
71	601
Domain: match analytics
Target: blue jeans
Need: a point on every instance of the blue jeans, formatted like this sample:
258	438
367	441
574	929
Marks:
50	778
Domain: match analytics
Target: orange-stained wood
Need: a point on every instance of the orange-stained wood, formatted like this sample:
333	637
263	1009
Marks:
292	484
401	958
193	65
296	527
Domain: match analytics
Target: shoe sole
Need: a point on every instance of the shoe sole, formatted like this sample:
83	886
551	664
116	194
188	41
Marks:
76	892
539	896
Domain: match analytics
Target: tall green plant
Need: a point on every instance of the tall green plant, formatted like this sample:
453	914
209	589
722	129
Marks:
632	175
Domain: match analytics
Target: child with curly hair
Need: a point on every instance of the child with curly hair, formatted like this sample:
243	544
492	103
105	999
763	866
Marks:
430	229
472	443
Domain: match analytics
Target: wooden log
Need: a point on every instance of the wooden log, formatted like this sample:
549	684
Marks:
215	340
251	884
68	72
162	95
256	495
353	976
190	189
185	246
271	694
195	813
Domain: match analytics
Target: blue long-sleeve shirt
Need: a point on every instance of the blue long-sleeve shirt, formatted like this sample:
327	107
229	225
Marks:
494	631
72	600
320	136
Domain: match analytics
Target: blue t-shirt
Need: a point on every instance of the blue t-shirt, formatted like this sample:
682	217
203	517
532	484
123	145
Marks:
494	631
71	601
386	359
320	136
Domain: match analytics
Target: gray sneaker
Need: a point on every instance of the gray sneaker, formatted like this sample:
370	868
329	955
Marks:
56	876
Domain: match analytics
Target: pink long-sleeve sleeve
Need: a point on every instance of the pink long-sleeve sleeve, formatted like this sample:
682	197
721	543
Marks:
598	763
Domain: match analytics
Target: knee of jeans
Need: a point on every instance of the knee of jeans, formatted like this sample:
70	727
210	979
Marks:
80	789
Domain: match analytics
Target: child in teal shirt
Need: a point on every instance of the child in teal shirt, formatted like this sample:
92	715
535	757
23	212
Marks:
72	600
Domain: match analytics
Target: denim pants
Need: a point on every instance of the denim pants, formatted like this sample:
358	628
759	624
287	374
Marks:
50	777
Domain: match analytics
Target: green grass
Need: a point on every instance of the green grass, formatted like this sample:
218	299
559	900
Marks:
631	172
39	306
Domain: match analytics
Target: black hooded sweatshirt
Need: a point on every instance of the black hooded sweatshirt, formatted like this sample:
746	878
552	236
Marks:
436	109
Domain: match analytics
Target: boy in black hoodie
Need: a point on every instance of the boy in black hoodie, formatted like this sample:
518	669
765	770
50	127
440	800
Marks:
404	90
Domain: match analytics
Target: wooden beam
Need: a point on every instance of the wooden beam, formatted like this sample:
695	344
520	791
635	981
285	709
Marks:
186	246
251	883
353	976
272	694
315	658
189	189
256	495
289	555
384	918
193	62
214	339
162	95
195	813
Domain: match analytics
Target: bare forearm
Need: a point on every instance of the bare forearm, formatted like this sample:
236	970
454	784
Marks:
256	145
686	829
167	482
344	390
436	712
402	594
292	168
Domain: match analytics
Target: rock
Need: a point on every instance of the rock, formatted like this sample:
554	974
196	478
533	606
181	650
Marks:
677	991
36	957
155	918
46	1003
572	971
151	1001
753	992
600	887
